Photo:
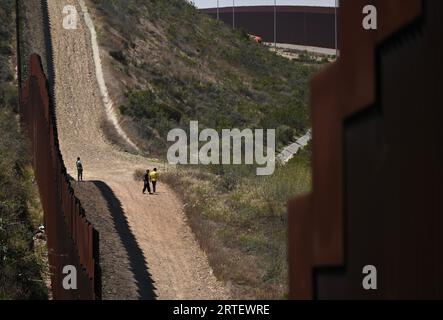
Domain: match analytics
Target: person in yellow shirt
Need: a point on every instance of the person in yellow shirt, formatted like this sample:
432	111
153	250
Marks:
154	177
146	179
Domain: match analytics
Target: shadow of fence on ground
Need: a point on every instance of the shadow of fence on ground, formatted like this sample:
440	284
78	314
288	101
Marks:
138	264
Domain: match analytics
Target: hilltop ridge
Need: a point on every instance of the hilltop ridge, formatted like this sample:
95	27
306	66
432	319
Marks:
169	63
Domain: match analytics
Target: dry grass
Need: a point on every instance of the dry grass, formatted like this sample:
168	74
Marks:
242	228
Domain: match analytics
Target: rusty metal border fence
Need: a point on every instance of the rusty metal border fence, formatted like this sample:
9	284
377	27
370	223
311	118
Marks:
72	241
300	25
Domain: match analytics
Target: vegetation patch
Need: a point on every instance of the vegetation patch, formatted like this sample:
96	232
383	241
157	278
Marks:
171	64
23	266
241	221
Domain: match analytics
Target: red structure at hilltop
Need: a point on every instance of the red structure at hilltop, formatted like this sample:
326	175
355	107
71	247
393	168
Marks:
300	25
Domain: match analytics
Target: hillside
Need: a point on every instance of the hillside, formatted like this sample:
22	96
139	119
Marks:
168	64
22	269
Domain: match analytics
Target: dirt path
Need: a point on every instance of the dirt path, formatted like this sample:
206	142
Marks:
179	268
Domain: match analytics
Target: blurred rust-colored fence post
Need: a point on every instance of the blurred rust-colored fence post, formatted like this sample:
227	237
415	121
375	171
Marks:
377	161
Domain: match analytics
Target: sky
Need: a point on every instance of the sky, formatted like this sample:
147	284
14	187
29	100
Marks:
228	3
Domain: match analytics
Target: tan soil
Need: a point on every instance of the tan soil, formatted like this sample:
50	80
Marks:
178	266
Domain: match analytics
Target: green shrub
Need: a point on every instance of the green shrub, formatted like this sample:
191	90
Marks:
20	275
119	56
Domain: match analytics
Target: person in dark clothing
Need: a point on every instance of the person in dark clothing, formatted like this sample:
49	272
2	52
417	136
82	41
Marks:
79	169
147	186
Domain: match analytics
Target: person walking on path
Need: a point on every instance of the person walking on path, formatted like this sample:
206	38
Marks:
79	166
146	179
154	178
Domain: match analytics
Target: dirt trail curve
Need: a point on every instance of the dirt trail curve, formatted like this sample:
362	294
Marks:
178	266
